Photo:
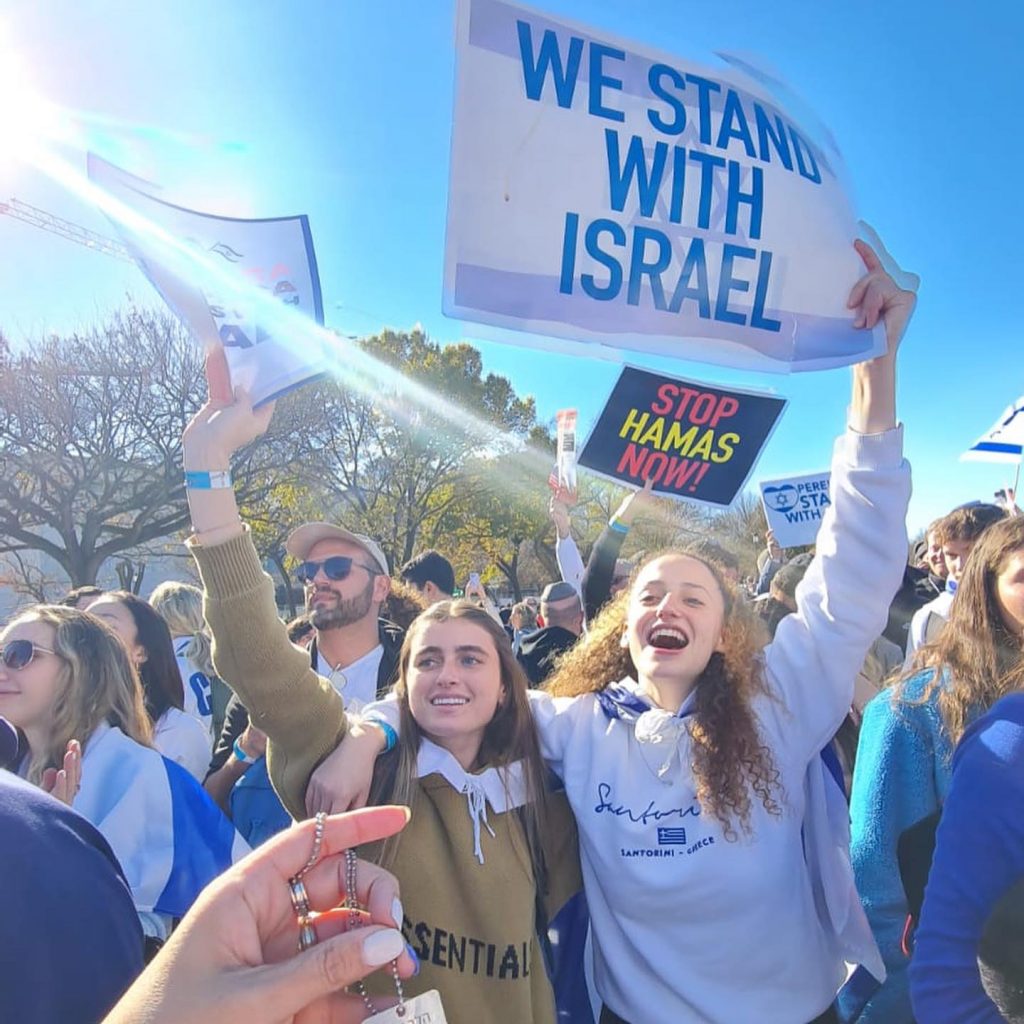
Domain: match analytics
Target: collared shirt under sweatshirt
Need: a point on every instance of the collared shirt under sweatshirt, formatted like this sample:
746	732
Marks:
471	917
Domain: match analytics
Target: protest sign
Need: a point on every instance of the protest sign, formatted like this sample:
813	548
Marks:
1004	441
794	507
230	281
696	442
605	193
566	457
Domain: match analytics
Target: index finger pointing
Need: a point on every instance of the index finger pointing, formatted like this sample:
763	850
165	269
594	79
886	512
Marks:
868	255
289	851
218	376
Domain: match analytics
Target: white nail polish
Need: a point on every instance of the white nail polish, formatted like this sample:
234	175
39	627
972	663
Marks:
382	947
396	912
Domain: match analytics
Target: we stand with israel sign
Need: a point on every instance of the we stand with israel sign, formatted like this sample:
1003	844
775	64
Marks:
794	507
605	193
232	282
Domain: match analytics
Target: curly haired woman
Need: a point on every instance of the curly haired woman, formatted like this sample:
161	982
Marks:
711	832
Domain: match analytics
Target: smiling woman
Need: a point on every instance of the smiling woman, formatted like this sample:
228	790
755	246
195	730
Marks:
489	854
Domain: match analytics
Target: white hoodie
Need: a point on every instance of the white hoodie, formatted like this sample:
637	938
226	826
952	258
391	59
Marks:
688	926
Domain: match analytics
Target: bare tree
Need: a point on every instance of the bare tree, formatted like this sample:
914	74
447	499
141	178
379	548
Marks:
90	441
28	579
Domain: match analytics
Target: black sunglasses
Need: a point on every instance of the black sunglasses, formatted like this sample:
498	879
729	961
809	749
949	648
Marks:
336	568
17	654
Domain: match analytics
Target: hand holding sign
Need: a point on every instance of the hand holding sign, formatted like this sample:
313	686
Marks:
876	296
559	512
636	504
226	423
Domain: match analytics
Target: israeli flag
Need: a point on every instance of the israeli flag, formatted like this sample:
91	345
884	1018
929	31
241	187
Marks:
170	838
1004	441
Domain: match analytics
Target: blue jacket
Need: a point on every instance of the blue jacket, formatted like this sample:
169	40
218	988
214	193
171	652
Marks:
902	775
70	941
979	853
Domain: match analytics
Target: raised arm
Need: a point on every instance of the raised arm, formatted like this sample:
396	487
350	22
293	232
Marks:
570	564
300	712
843	600
600	571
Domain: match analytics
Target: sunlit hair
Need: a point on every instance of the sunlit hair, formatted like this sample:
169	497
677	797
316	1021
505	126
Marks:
96	683
161	680
527	616
510	735
969	522
403	603
180	605
976	659
730	758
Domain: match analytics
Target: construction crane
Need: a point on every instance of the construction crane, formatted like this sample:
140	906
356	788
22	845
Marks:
65	228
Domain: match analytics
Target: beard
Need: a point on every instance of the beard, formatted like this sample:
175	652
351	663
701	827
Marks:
344	612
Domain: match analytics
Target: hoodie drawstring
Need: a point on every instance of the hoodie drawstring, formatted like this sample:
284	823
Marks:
476	798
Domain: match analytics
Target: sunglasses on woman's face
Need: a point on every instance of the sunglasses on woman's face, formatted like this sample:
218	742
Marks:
17	654
336	568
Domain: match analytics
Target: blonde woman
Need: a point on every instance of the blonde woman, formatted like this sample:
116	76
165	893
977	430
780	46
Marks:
180	605
65	676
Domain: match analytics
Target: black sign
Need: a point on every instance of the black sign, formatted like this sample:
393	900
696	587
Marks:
696	442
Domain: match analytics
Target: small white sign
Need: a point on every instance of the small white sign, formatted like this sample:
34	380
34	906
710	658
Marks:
795	506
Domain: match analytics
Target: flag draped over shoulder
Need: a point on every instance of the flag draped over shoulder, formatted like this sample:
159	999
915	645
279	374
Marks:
170	838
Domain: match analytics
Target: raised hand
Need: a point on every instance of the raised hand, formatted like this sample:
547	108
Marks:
225	423
876	297
636	504
65	783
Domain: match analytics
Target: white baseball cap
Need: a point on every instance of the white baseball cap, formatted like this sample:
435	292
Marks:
302	540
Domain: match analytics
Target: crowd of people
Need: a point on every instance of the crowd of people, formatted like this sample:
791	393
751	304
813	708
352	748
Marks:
660	793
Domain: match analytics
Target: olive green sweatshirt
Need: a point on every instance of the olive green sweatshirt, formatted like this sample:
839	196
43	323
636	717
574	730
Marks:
472	924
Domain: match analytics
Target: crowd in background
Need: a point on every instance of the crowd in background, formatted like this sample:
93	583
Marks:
675	787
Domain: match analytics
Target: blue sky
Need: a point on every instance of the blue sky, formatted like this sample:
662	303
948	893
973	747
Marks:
342	110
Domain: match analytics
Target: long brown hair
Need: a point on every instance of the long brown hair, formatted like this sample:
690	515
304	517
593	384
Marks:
976	659
97	683
510	735
730	757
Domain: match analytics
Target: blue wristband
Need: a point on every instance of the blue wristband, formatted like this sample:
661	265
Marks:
241	755
614	524
200	480
390	736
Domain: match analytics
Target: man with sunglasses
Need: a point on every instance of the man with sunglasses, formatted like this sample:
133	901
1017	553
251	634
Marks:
346	579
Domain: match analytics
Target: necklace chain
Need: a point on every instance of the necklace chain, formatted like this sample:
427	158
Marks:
352	905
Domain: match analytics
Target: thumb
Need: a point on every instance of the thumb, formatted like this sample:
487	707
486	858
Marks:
327	968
